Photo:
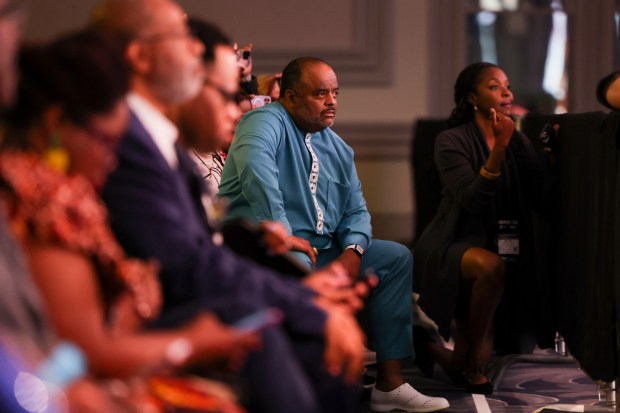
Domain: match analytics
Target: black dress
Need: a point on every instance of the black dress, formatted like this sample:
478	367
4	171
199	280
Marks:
476	212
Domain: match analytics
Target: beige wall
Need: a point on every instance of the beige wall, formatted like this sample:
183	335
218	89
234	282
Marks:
387	179
47	18
378	48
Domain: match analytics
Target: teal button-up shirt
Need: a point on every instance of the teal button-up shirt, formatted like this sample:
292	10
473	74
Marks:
266	177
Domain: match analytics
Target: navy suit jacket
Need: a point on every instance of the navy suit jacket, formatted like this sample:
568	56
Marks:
155	213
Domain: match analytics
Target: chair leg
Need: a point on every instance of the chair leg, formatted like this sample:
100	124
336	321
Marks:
560	345
611	394
607	393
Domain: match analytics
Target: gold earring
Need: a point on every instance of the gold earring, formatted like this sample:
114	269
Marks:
475	107
56	156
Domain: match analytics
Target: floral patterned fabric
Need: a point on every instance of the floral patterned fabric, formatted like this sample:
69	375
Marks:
49	207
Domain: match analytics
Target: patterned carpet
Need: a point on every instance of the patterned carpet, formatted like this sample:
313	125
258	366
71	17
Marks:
539	382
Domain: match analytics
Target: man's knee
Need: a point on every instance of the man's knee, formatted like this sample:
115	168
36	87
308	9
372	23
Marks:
393	263
393	252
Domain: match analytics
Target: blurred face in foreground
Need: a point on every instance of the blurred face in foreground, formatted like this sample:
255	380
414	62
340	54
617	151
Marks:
91	148
208	121
174	71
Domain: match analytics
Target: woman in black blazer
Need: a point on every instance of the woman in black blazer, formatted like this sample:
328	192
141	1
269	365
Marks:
491	177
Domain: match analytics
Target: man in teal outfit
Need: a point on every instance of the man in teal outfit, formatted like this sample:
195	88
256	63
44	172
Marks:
286	164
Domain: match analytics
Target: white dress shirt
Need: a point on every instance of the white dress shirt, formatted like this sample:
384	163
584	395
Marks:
161	129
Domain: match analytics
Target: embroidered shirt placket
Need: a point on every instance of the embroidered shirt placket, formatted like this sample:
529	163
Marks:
313	180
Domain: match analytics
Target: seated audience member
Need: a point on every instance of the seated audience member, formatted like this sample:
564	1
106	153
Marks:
31	354
215	110
269	85
23	327
482	233
26	336
207	122
287	165
206	128
154	198
247	80
59	147
259	91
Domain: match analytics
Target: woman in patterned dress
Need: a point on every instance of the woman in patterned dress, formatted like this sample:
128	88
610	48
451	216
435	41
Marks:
57	149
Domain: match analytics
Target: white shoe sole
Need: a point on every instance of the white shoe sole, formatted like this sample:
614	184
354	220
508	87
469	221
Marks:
397	408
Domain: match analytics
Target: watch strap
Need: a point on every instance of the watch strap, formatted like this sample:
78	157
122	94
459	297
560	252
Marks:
357	249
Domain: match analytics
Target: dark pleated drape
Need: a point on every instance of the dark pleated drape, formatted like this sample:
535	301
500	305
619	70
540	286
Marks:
426	184
580	267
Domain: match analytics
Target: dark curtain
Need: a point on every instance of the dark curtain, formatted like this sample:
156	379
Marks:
427	187
580	238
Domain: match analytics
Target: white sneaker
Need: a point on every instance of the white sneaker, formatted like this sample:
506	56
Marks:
405	398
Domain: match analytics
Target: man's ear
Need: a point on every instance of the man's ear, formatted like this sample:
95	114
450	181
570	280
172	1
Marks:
138	57
289	96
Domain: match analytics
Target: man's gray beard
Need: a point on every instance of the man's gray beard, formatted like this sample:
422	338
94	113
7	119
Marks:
173	93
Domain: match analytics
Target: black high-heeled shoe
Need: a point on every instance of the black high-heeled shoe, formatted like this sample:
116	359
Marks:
423	360
485	388
475	370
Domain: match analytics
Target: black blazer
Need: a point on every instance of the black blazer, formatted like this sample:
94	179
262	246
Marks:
155	213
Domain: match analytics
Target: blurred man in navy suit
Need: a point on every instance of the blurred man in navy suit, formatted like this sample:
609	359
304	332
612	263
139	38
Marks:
154	198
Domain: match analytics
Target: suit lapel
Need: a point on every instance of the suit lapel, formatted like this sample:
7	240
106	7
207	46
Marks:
189	187
138	135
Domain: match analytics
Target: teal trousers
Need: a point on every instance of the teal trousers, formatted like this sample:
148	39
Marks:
389	304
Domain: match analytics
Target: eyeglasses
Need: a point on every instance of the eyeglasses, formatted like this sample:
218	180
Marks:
229	97
173	35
